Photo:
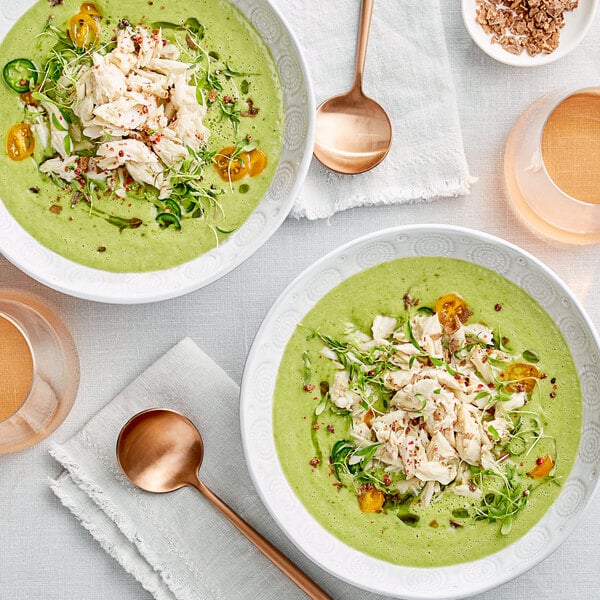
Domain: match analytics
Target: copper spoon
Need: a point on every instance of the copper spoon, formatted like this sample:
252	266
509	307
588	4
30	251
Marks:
161	451
353	133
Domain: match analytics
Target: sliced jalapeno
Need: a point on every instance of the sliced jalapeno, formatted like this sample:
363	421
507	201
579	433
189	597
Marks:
20	75
172	207
167	219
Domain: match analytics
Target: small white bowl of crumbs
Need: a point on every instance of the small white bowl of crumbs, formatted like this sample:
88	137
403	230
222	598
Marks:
528	33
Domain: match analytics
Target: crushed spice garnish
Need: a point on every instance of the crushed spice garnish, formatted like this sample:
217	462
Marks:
531	26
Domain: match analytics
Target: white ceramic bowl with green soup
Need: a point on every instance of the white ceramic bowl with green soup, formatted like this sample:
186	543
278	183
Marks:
148	147
420	411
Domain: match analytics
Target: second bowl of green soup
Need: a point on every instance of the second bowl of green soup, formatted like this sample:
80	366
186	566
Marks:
148	149
424	402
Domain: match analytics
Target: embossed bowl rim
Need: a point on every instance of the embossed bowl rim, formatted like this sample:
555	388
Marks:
258	382
66	276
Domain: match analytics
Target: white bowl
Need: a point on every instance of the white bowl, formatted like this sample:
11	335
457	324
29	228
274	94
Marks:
55	271
258	384
577	23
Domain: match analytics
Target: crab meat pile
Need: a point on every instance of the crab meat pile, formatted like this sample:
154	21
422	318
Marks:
440	418
136	109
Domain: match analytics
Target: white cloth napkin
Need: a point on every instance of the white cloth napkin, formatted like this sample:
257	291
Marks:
177	545
407	71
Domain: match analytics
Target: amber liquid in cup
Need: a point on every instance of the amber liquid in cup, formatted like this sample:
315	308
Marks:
39	371
552	166
571	146
16	368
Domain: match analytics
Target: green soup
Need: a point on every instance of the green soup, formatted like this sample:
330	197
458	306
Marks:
439	537
241	66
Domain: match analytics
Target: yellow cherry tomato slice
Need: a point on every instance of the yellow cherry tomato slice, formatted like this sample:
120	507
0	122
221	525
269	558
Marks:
20	142
231	169
246	163
523	377
89	8
449	307
258	162
542	468
83	30
370	500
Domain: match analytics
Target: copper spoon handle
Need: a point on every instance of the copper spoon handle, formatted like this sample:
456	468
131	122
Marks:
282	562
366	12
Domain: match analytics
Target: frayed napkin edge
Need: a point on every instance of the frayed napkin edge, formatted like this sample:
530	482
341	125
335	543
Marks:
96	495
452	188
106	544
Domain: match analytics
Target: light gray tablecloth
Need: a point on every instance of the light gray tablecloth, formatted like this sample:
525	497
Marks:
44	552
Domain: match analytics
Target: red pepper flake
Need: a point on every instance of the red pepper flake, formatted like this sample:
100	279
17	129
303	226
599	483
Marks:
55	209
121	153
552	395
456	375
498	307
101	248
386	479
314	462
539	460
491	386
308	387
543	376
315	426
330	428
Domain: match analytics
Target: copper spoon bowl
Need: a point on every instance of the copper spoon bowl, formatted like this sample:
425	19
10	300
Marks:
353	133
161	451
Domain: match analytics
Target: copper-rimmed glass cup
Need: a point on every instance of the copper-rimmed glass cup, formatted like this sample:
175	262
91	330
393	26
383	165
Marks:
39	371
537	198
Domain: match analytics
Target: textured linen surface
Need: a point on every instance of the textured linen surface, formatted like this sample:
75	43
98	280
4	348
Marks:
176	544
46	554
407	72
